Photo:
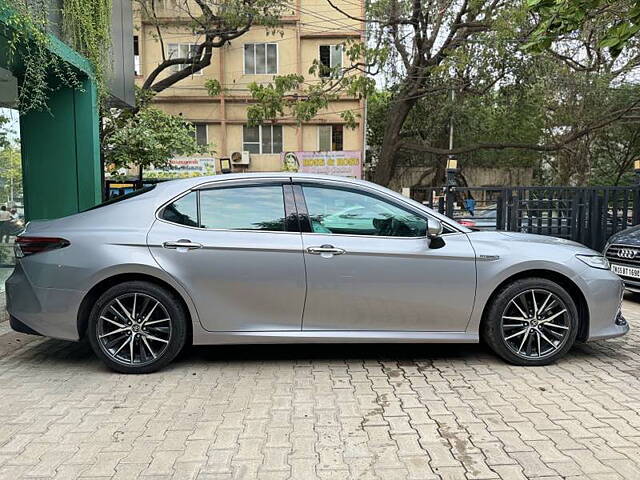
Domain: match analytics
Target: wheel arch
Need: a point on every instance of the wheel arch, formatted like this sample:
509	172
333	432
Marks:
560	279
102	286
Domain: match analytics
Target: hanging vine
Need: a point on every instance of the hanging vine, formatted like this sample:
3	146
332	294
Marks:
28	45
87	28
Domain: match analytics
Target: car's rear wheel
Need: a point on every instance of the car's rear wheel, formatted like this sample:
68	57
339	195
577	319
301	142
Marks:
533	321
137	327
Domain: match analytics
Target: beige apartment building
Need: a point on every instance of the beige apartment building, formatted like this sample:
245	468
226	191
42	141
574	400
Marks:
312	30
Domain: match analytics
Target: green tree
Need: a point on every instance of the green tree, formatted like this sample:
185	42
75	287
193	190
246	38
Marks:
5	131
146	136
614	153
558	18
10	175
509	106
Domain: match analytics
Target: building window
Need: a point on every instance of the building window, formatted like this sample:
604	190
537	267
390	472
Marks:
330	138
136	56
182	50
200	133
262	139
260	58
330	60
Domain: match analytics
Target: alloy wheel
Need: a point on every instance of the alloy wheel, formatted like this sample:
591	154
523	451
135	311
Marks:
535	324
134	329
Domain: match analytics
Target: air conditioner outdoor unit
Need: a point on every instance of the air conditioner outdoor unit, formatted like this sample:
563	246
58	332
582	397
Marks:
240	158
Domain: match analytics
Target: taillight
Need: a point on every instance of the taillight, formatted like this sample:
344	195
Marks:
29	245
467	223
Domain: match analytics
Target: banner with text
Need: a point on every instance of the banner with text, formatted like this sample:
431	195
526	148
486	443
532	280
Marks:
343	164
185	166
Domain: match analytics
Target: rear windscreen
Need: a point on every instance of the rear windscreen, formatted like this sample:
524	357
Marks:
126	196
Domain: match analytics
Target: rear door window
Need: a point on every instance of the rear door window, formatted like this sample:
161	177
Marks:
243	208
251	207
183	211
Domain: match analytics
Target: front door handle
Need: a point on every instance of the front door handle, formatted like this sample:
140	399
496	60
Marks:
325	249
182	245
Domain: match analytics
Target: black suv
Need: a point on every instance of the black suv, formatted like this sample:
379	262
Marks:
623	252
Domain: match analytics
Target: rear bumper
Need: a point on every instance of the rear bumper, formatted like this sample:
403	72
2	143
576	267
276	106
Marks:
50	312
20	327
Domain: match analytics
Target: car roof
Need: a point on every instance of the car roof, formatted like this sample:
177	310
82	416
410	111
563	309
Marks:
240	176
182	184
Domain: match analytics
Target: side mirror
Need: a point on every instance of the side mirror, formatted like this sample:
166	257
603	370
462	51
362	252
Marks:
434	228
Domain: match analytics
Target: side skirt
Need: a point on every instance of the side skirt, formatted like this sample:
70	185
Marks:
331	336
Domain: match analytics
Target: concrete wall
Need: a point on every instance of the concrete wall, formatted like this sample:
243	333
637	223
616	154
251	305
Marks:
477	177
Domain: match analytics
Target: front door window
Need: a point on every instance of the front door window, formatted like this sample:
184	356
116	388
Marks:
339	211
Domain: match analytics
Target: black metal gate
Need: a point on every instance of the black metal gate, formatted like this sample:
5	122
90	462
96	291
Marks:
589	215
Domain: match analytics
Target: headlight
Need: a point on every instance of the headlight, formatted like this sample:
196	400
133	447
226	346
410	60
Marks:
595	261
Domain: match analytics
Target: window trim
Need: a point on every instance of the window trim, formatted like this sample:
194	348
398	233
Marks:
297	182
331	125
318	136
137	65
266	58
180	66
206	132
331	67
288	202
259	142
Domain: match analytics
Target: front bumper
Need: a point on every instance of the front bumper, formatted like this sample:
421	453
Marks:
603	291
50	312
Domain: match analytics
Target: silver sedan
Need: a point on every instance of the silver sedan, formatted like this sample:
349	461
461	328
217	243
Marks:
281	258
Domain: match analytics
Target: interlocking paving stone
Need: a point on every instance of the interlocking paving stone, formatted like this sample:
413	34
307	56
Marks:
422	412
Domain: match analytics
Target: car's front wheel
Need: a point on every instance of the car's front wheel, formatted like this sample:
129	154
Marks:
533	321
137	327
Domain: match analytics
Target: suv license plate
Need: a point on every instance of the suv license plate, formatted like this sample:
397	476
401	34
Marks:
625	271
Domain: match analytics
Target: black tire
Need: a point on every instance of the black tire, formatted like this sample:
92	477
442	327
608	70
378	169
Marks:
173	339
494	334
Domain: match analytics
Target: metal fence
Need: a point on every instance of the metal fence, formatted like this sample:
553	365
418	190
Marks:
589	215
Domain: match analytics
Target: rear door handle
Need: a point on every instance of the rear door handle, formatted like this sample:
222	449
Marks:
325	249
182	244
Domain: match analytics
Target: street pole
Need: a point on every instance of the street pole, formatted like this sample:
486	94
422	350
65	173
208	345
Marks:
453	99
452	166
452	169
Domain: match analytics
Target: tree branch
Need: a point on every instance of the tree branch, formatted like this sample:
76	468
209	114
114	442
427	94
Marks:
551	147
215	37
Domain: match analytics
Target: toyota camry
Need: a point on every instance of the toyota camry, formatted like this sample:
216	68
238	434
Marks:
294	258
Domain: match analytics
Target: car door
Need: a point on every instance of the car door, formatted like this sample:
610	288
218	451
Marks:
236	248
370	265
